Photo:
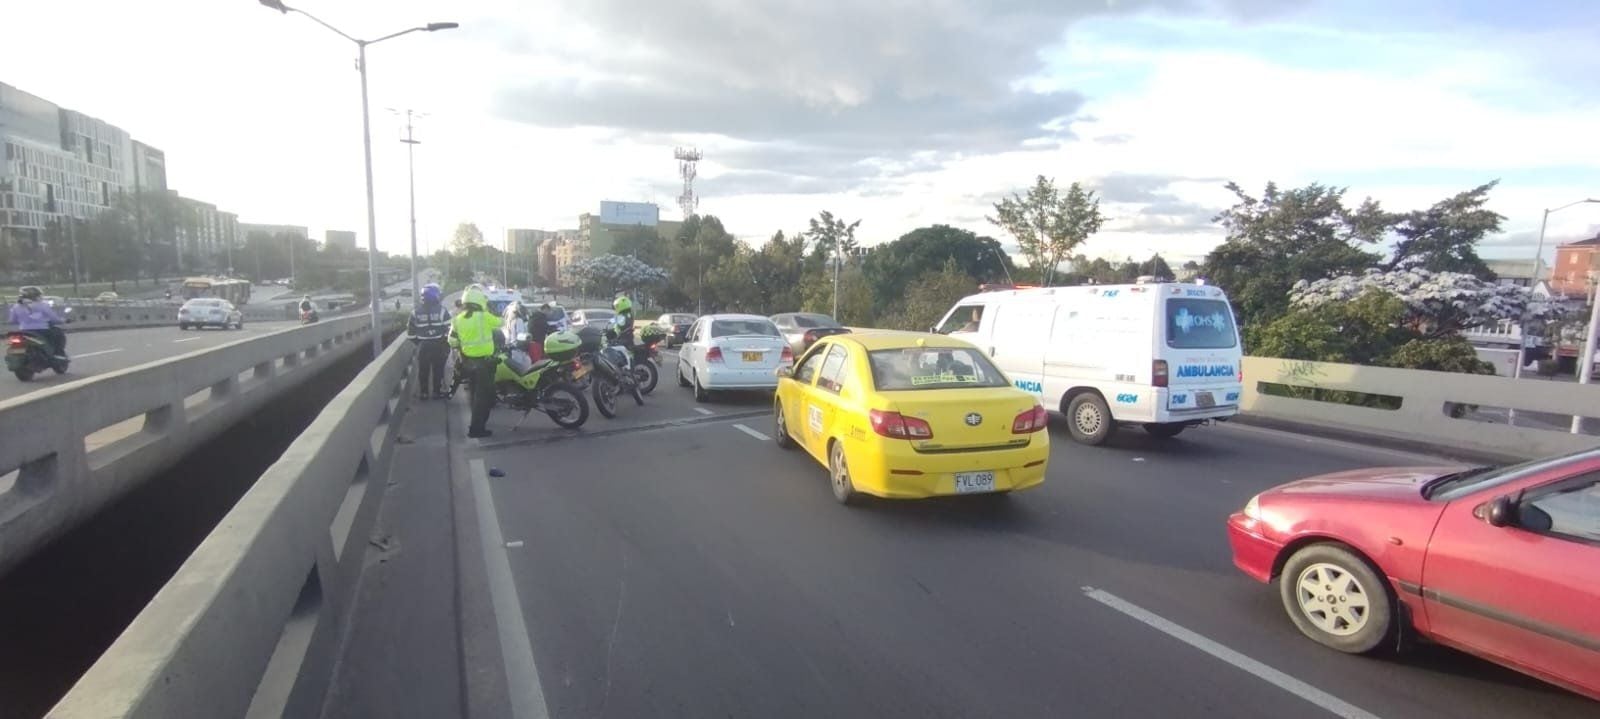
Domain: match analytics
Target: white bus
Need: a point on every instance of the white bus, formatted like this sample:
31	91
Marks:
1162	355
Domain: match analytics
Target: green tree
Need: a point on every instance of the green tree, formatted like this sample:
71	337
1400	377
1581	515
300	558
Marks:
1286	236
1048	225
467	238
644	243
828	232
855	295
1156	267
892	266
928	297
1444	237
1371	329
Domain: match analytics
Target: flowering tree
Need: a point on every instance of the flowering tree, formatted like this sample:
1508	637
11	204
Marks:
1437	303
610	273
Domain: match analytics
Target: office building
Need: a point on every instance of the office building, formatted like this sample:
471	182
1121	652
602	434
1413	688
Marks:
526	242
246	229
1575	261
598	233
57	164
339	239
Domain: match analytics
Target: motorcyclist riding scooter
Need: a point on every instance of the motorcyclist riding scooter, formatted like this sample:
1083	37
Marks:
308	311
37	344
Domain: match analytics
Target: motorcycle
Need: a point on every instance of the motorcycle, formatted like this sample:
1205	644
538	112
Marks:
614	374
29	353
647	358
521	383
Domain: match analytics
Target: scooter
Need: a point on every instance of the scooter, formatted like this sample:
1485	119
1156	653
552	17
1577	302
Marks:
29	353
308	316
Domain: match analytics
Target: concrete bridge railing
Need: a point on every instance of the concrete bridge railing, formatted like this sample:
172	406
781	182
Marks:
251	623
68	451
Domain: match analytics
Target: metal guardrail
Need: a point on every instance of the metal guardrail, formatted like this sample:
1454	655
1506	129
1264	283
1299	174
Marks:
70	450
251	624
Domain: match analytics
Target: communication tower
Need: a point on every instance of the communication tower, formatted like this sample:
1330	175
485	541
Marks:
687	157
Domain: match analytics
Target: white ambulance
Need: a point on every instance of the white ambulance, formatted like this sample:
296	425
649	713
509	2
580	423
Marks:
1162	355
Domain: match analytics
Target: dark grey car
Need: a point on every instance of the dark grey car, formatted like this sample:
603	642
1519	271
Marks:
802	329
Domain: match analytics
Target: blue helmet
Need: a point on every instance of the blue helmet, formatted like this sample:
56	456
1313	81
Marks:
430	293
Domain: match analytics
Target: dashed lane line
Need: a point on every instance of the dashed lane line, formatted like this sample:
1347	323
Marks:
751	432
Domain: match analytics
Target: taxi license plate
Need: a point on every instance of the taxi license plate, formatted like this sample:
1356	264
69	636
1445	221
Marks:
752	356
974	482
1204	399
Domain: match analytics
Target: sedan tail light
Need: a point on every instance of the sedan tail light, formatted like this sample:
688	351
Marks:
1158	373
898	426
788	355
810	336
15	340
1031	420
714	354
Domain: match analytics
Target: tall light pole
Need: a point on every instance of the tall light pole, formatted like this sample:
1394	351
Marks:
366	143
1538	257
411	143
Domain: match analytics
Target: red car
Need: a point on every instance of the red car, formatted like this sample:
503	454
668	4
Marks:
1501	562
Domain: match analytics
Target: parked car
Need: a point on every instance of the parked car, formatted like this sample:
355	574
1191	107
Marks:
676	325
910	415
732	351
1499	562
107	296
591	318
209	312
803	329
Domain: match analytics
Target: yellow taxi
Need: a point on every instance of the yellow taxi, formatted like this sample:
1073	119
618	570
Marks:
908	415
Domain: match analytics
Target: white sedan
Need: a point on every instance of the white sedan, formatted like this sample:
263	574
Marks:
209	312
732	352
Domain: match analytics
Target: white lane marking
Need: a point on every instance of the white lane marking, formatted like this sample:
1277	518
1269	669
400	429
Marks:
703	410
1333	704
516	647
187	339
91	354
751	432
513	544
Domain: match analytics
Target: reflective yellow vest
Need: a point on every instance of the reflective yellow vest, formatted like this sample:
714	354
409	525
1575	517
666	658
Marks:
475	334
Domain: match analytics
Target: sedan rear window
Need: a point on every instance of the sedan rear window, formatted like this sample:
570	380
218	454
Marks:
813	321
205	303
932	368
744	328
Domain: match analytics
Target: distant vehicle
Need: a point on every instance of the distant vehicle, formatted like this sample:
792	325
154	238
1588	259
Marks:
209	312
591	318
908	415
500	298
730	351
107	296
803	329
1162	355
235	292
676	325
1499	562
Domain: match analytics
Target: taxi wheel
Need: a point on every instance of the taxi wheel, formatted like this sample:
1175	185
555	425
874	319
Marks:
1089	419
844	491
701	394
1337	599
780	433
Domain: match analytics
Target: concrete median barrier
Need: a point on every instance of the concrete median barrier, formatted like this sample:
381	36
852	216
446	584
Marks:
70	450
251	623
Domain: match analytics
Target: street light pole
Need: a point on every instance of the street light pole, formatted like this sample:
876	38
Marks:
366	142
411	180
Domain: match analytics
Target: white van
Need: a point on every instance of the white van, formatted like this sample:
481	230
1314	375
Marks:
1163	355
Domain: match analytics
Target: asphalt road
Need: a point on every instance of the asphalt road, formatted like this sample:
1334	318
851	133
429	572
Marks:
110	350
674	562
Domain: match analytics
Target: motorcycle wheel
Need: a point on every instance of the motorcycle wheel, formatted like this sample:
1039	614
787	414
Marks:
605	397
26	375
577	407
647	375
59	367
633	389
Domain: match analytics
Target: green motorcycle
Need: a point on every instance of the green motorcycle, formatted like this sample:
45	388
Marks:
522	384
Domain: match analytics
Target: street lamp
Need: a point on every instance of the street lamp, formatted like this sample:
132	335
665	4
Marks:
1538	256
411	143
366	142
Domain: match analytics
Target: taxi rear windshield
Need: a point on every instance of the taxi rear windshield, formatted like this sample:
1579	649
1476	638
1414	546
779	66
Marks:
932	368
1196	324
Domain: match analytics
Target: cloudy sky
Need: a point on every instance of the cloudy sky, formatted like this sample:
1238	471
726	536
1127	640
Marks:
898	112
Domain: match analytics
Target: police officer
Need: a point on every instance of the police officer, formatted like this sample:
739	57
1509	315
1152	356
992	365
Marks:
473	333
427	328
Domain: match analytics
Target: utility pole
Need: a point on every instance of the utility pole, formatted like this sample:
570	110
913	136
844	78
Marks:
411	143
72	235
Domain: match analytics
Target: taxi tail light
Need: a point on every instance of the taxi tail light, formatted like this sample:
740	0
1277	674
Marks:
788	355
1030	421
898	426
15	340
1158	373
714	354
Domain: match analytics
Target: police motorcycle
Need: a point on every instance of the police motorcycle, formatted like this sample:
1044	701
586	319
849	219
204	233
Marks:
646	358
522	383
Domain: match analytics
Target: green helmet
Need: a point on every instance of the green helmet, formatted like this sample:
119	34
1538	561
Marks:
622	304
475	296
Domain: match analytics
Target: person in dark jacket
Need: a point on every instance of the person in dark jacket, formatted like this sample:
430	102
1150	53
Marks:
429	325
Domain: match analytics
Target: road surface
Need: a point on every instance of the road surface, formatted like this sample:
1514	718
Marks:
102	351
674	562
